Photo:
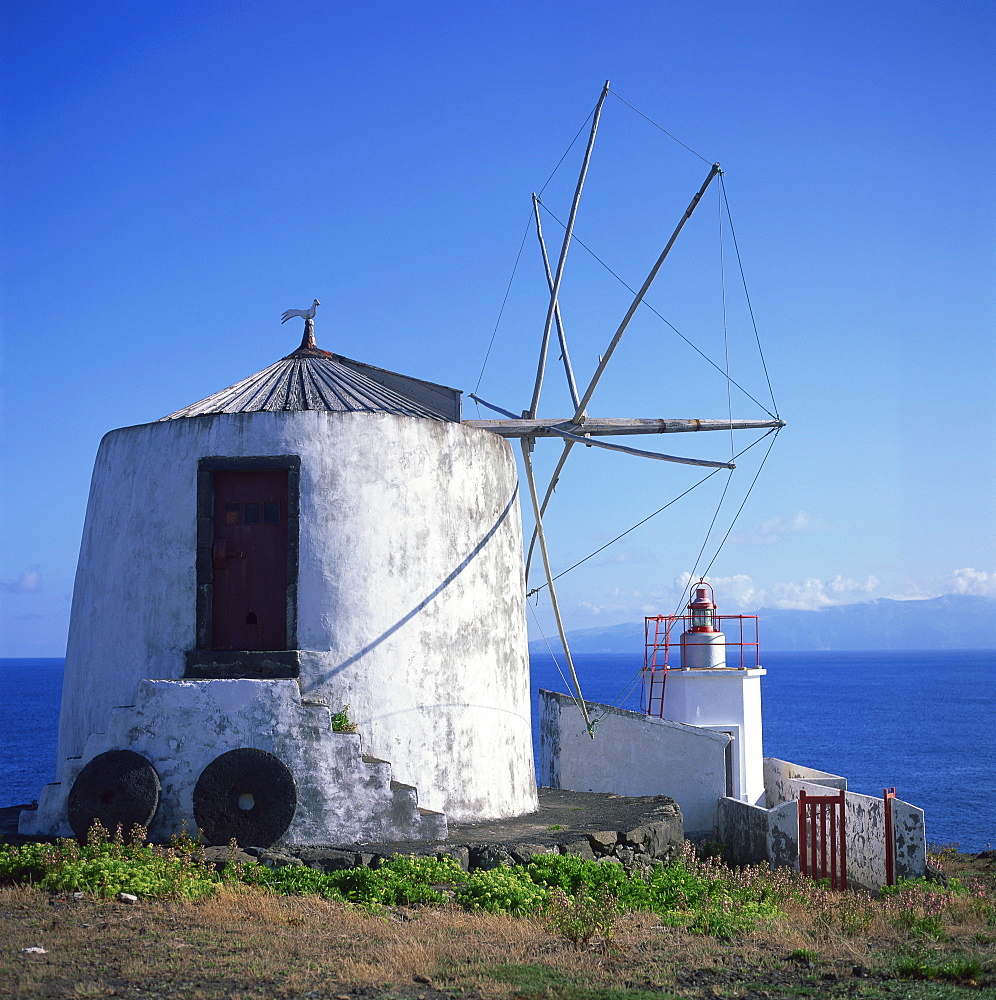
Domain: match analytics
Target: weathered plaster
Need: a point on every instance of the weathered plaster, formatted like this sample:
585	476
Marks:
864	822
744	829
783	835
909	839
633	754
410	589
780	775
182	726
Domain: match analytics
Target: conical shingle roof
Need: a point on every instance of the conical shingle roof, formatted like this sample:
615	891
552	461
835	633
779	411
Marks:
312	379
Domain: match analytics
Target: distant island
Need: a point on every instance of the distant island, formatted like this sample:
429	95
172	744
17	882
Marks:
954	621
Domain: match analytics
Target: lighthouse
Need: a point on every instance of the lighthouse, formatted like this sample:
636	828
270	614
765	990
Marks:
715	685
322	541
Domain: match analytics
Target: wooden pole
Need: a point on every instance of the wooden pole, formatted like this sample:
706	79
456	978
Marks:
579	414
614	426
644	288
549	580
551	486
541	367
561	335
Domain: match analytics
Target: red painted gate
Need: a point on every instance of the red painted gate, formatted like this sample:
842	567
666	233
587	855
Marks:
822	838
888	794
249	560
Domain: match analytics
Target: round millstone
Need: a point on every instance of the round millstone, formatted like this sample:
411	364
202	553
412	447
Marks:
116	787
247	795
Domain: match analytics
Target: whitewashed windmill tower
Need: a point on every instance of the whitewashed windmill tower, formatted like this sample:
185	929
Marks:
322	534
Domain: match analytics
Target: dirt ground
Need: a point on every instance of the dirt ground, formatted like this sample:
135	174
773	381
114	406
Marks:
251	946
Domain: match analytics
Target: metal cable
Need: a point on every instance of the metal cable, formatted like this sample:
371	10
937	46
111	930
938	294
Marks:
726	329
661	127
602	548
632	682
501	311
742	505
584	125
705	541
553	656
518	256
664	319
750	308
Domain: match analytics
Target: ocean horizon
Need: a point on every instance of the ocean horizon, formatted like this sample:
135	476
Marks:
919	720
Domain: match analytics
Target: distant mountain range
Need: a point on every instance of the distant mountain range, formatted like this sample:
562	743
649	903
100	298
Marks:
954	621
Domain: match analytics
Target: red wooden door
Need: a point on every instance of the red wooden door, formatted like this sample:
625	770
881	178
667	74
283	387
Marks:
249	556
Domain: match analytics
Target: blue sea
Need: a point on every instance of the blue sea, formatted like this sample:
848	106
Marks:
924	722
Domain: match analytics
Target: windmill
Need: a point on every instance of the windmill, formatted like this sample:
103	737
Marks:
580	427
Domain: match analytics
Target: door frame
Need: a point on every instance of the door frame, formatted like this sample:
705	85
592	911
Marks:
206	468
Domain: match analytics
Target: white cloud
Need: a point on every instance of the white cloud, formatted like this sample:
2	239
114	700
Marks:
772	531
973	581
27	583
738	589
813	593
740	592
976	582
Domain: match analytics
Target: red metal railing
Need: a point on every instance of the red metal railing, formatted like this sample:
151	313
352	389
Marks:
823	838
660	639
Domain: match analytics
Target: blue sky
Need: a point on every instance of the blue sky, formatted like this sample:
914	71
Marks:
175	175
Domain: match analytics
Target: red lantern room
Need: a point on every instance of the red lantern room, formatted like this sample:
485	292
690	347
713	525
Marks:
703	609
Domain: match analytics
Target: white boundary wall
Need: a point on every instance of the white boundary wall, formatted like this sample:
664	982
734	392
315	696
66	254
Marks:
747	827
633	754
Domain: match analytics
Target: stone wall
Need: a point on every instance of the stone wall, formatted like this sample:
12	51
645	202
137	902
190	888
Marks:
740	826
744	829
633	754
779	776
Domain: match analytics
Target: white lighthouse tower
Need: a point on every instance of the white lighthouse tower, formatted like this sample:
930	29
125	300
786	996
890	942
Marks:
711	688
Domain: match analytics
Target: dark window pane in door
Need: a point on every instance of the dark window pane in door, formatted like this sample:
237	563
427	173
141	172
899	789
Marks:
233	512
271	513
252	513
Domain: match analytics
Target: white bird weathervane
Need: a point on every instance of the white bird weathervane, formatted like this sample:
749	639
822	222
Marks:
308	315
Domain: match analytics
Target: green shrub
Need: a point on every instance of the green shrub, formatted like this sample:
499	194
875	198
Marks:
502	890
106	867
585	916
404	880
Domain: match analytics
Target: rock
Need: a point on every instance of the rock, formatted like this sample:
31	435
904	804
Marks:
276	859
458	852
219	857
327	860
580	847
602	841
625	855
489	856
522	854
